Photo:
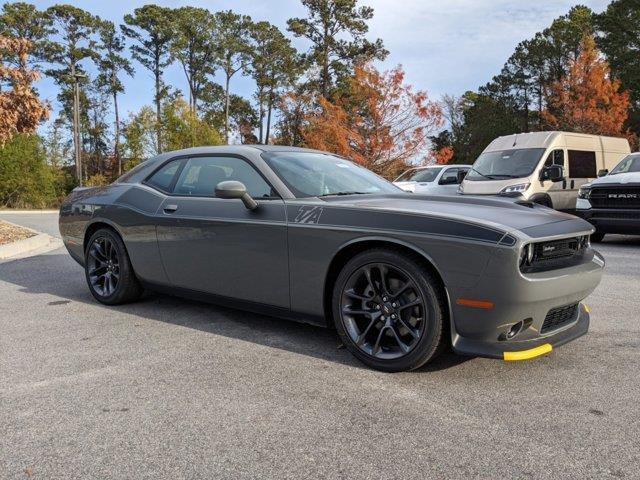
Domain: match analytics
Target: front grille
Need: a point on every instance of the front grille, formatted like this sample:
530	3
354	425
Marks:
558	317
555	254
553	250
615	197
617	215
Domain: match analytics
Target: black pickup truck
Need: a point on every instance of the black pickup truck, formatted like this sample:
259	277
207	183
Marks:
611	203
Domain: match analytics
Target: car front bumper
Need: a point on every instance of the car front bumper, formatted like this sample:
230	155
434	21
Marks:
612	220
482	330
524	350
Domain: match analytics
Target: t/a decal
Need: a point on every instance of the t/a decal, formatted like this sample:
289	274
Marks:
308	214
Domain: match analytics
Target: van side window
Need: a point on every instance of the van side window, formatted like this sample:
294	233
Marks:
555	158
582	164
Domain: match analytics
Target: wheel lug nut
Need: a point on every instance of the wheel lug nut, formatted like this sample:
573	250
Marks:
393	316
382	318
384	299
378	307
394	305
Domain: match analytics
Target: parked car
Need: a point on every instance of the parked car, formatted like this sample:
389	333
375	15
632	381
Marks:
432	180
543	167
611	203
308	235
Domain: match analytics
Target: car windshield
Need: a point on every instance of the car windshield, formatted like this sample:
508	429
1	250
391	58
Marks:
419	175
311	174
630	163
516	163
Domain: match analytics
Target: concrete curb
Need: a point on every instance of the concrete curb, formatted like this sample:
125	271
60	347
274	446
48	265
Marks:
22	212
38	243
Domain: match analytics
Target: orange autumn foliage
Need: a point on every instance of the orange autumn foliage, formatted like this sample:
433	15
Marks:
381	123
443	155
587	99
20	108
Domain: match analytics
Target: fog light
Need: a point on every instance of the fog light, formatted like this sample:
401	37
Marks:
514	330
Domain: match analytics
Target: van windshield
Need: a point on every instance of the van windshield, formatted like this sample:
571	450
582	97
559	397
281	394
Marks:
516	163
419	175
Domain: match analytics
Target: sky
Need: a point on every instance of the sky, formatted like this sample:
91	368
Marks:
444	46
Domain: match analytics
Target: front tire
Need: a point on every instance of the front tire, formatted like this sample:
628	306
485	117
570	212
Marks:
108	270
389	311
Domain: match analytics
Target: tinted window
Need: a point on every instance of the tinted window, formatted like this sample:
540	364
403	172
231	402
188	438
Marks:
310	174
630	163
200	176
449	176
124	178
555	158
162	178
502	164
420	175
582	164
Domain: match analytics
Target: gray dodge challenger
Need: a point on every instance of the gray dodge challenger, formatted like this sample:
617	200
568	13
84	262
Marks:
311	236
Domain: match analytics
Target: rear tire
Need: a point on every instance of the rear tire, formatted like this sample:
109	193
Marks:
390	311
597	237
108	270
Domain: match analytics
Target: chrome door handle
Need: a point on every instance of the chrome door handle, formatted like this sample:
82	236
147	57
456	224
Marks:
170	208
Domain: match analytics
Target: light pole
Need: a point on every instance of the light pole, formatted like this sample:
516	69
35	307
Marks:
76	122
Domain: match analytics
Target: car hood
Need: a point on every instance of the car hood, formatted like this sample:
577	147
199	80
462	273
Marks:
489	187
618	178
410	186
502	213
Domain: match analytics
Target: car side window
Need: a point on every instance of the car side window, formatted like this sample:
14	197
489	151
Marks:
449	177
201	175
582	164
555	157
163	178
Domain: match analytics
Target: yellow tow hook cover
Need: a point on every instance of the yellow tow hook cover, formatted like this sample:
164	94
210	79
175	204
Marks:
527	354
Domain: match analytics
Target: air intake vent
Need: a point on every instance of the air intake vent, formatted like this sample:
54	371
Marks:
558	317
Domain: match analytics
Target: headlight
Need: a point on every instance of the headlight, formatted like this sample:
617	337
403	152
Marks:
518	188
526	255
584	192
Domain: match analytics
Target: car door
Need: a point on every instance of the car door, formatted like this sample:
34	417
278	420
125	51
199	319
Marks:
218	246
557	191
448	182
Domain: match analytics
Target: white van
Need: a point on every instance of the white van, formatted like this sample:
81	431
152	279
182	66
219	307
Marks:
543	167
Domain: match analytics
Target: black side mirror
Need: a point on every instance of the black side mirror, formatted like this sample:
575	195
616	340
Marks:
461	175
555	173
234	189
603	172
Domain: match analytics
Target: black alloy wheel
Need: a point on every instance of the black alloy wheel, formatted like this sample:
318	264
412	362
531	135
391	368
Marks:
109	272
383	310
389	310
103	266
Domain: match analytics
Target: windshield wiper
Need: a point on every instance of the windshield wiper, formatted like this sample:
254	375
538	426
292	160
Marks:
343	193
490	177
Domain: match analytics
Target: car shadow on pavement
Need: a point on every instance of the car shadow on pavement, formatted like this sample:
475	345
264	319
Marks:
56	274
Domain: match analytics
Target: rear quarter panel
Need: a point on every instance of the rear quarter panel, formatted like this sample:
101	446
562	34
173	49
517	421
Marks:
129	209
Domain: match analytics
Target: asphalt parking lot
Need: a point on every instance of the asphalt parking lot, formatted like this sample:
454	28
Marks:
168	388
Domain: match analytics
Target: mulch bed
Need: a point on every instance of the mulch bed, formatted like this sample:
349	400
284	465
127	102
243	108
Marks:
11	233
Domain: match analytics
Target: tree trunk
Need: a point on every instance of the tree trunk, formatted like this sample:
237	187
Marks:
76	126
116	144
269	107
226	108
158	113
261	114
